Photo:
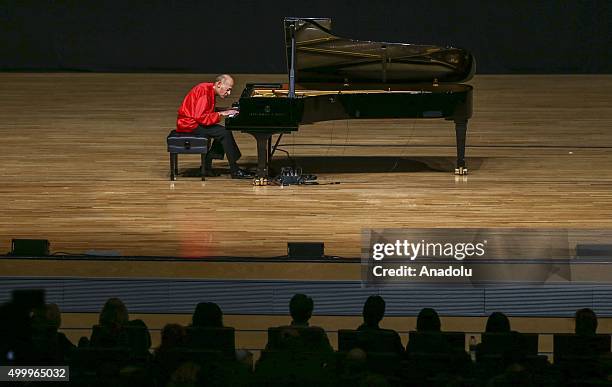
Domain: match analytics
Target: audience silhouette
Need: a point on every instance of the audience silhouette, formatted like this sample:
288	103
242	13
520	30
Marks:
111	322
296	354
207	314
52	346
370	336
300	308
172	336
428	337
497	323
299	336
428	321
585	322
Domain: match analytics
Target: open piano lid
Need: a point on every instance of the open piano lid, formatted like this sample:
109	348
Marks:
324	57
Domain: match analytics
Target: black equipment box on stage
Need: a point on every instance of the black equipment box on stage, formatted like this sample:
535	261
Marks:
305	250
29	247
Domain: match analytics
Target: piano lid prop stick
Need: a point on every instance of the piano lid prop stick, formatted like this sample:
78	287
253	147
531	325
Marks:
292	69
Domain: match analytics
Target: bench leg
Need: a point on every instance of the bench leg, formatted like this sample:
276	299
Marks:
172	166
203	167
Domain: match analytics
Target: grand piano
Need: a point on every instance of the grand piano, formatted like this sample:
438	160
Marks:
333	78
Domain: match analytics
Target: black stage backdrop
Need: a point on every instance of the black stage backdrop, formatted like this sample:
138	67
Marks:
519	36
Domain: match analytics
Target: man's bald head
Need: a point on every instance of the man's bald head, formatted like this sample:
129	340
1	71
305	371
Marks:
224	78
223	85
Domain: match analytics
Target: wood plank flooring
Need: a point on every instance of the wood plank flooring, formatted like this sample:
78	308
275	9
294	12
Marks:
83	163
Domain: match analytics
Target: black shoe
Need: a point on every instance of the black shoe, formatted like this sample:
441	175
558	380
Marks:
242	174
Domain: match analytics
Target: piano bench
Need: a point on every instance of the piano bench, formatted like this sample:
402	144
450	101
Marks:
186	143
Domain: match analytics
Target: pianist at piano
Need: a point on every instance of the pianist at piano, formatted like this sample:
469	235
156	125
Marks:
197	115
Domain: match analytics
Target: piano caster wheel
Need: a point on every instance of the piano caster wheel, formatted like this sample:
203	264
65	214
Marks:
461	171
260	181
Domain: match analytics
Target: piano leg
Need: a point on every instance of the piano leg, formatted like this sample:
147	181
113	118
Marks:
269	148
263	153
460	132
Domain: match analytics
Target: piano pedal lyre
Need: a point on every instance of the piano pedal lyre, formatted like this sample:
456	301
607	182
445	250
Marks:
461	171
261	181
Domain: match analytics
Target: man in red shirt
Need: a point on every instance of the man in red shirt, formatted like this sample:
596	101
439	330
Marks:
197	115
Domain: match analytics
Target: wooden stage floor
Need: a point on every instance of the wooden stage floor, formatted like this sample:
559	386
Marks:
84	164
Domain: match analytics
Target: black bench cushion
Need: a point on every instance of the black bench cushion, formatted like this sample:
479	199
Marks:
186	143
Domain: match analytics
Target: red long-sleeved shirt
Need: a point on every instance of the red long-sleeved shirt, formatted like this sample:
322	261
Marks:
198	108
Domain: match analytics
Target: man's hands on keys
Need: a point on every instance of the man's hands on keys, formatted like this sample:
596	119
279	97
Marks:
229	113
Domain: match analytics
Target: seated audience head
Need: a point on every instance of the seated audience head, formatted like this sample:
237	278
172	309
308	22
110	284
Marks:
172	335
47	316
83	342
428	321
301	307
207	314
373	311
498	323
357	355
114	314
586	322
53	314
245	358
142	335
356	360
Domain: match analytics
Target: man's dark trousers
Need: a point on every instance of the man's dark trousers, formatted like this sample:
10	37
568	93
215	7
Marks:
224	141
